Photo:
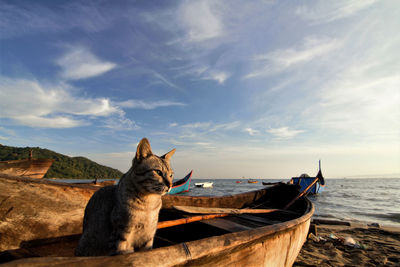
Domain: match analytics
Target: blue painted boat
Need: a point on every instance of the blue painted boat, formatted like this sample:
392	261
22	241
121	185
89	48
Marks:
181	185
305	180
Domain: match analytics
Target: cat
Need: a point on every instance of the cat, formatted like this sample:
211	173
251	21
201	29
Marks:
123	218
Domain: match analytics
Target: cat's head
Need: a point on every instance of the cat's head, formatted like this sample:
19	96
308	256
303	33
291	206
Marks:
153	174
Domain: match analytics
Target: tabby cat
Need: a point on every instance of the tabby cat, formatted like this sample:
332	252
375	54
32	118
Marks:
123	218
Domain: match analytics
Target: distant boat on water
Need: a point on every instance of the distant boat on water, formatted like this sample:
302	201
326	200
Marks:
271	183
33	168
241	181
305	181
182	185
252	181
204	185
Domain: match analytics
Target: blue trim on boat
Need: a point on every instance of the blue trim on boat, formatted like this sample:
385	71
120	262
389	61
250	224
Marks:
181	185
306	181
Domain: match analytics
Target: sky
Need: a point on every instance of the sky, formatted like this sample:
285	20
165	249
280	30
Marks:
260	89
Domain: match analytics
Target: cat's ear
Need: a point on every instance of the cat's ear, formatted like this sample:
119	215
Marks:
169	155
143	150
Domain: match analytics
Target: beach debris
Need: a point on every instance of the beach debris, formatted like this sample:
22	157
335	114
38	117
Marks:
313	237
316	238
313	229
348	241
374	225
332	236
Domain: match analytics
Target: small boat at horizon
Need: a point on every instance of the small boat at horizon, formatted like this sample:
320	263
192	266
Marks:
252	181
31	167
204	185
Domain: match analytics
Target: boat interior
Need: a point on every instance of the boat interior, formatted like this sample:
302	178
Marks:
275	197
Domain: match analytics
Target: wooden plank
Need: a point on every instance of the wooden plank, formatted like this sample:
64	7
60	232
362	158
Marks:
258	219
166	224
248	223
210	210
226	225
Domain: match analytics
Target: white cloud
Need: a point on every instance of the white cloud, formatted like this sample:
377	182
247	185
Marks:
367	105
30	103
203	72
252	131
218	76
284	132
120	123
140	104
79	63
197	125
225	126
200	20
166	81
283	59
328	11
48	122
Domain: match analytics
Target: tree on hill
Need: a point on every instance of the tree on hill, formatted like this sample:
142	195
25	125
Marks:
63	166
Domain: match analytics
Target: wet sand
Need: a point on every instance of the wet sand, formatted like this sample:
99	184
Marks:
374	246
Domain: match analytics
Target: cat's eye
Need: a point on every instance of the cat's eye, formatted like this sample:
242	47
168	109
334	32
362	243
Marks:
159	173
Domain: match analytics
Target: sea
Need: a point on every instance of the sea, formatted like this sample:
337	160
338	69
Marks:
363	200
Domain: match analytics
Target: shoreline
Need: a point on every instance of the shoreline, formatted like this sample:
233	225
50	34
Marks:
356	244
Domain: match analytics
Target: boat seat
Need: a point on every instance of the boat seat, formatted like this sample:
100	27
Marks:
258	219
226	224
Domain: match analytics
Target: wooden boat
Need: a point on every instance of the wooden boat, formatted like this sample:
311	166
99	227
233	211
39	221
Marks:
271	183
98	183
205	184
252	181
33	168
305	180
182	185
44	227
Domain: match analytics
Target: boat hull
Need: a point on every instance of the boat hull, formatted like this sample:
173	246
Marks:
276	245
271	245
181	185
33	168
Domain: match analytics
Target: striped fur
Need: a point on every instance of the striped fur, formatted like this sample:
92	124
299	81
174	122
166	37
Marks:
123	218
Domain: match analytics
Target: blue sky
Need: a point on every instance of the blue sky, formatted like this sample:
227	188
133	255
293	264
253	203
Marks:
240	88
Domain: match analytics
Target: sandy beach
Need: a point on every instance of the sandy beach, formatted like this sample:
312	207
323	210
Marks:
374	246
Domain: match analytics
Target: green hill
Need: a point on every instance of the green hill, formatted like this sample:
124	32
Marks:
63	166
